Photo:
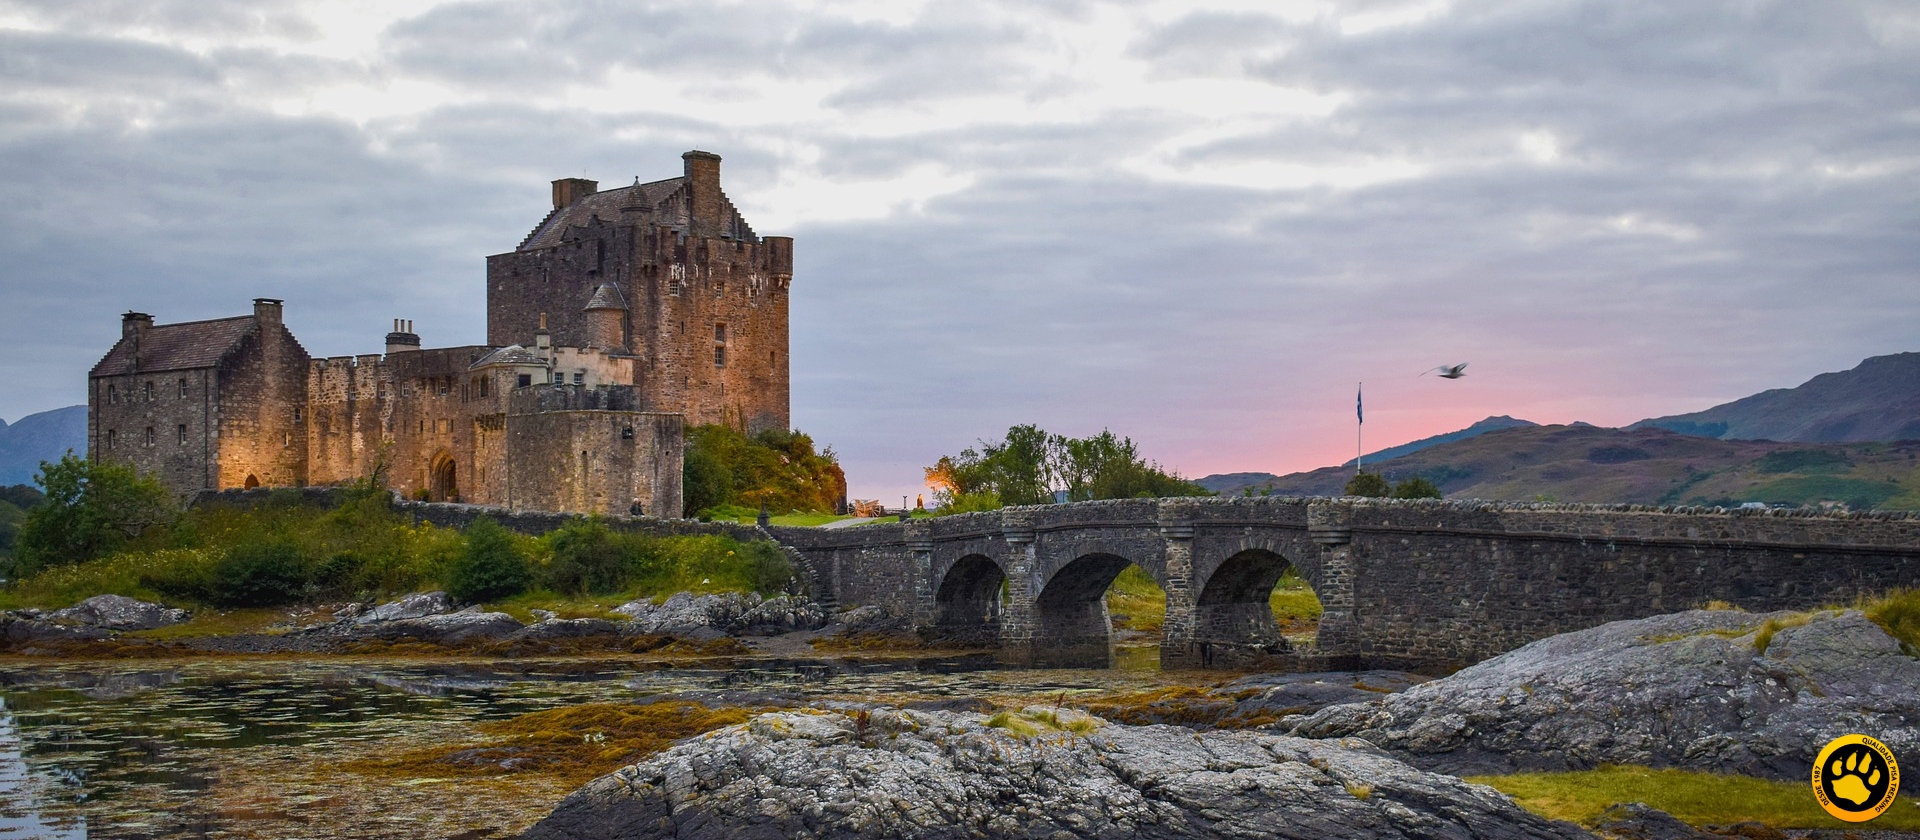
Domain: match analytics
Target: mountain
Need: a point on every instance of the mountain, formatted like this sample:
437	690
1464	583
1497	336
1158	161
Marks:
46	436
1644	466
1488	425
1877	400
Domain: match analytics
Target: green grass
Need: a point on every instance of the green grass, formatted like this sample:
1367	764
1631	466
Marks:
1858	493
1134	594
1898	612
1694	797
749	516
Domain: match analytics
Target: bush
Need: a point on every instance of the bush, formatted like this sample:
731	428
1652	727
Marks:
1416	488
262	574
490	567
586	559
1368	484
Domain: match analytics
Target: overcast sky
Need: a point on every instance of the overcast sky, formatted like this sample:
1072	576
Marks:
1198	227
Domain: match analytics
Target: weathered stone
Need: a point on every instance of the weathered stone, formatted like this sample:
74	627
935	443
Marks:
18	632
1684	690
1639	821
1311	692
568	628
451	628
417	605
119	613
899	774
689	614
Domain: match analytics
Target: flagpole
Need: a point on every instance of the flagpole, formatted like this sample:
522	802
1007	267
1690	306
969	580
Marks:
1359	426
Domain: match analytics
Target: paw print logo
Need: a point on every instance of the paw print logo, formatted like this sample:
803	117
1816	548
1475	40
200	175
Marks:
1855	778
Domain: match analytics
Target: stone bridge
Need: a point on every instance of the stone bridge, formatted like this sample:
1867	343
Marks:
1420	584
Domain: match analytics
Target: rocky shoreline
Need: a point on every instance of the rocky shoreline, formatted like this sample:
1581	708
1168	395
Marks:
431	620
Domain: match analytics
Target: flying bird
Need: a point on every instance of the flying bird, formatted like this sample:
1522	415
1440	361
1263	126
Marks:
1449	371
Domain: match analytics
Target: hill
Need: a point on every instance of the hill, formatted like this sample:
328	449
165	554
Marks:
1646	466
1227	484
40	437
1877	400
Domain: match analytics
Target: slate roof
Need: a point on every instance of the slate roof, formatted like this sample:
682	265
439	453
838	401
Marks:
185	346
512	354
607	206
607	297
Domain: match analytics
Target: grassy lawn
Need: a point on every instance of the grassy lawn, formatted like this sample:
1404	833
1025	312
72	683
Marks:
1695	797
1134	594
748	516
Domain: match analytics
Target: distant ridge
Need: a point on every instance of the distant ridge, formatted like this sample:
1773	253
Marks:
1878	400
1490	424
46	436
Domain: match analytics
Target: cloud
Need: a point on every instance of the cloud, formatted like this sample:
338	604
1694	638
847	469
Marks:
1198	227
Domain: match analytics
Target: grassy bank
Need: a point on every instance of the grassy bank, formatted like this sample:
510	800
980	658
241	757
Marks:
1694	797
283	554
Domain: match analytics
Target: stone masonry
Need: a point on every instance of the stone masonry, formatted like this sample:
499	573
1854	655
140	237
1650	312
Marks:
624	315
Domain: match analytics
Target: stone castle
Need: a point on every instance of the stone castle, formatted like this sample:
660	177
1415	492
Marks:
625	314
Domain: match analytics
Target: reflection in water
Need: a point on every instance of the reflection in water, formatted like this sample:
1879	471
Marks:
137	751
19	817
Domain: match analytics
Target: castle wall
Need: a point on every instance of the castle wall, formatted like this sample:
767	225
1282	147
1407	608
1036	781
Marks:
434	424
580	449
261	398
175	408
350	405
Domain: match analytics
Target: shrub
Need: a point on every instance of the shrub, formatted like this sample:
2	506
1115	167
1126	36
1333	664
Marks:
1416	488
586	559
261	574
1367	484
490	567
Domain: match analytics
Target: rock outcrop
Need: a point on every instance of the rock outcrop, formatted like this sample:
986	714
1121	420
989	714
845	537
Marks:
119	614
1042	773
689	615
1693	690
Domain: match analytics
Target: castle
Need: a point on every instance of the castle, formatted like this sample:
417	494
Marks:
625	314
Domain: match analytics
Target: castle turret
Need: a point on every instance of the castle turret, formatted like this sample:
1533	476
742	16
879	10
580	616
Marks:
607	318
402	339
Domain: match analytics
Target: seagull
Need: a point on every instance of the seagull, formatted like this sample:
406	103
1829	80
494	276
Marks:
1449	371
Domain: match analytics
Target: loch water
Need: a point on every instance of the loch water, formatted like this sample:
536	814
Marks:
242	748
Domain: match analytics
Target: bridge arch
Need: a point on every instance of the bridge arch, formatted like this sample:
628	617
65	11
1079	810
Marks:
1233	616
969	601
1072	628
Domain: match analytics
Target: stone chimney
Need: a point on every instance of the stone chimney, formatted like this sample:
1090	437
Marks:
703	187
135	324
543	340
402	339
266	311
566	191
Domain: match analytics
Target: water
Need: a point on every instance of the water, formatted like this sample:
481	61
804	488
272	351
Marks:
225	748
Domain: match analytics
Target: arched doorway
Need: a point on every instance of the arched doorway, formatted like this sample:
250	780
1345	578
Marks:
968	605
442	481
252	481
1254	605
1072	628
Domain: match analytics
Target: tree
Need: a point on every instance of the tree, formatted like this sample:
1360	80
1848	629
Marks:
1416	487
777	469
91	509
1026	466
490	567
1368	484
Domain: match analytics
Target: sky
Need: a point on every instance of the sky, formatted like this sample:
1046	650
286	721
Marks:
1197	225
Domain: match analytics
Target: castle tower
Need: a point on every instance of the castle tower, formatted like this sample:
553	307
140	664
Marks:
607	318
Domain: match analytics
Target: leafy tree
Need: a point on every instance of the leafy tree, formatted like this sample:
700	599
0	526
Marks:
1368	484
777	469
91	509
1023	469
1416	487
490	567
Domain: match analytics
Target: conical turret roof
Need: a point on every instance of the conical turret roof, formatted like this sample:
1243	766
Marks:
607	297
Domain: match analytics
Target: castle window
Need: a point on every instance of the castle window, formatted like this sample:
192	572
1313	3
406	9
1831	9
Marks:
579	378
146	390
113	394
286	440
111	436
719	345
443	387
526	379
183	433
149	435
183	389
296	414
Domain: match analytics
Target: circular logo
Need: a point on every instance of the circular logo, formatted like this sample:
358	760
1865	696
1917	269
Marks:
1855	778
